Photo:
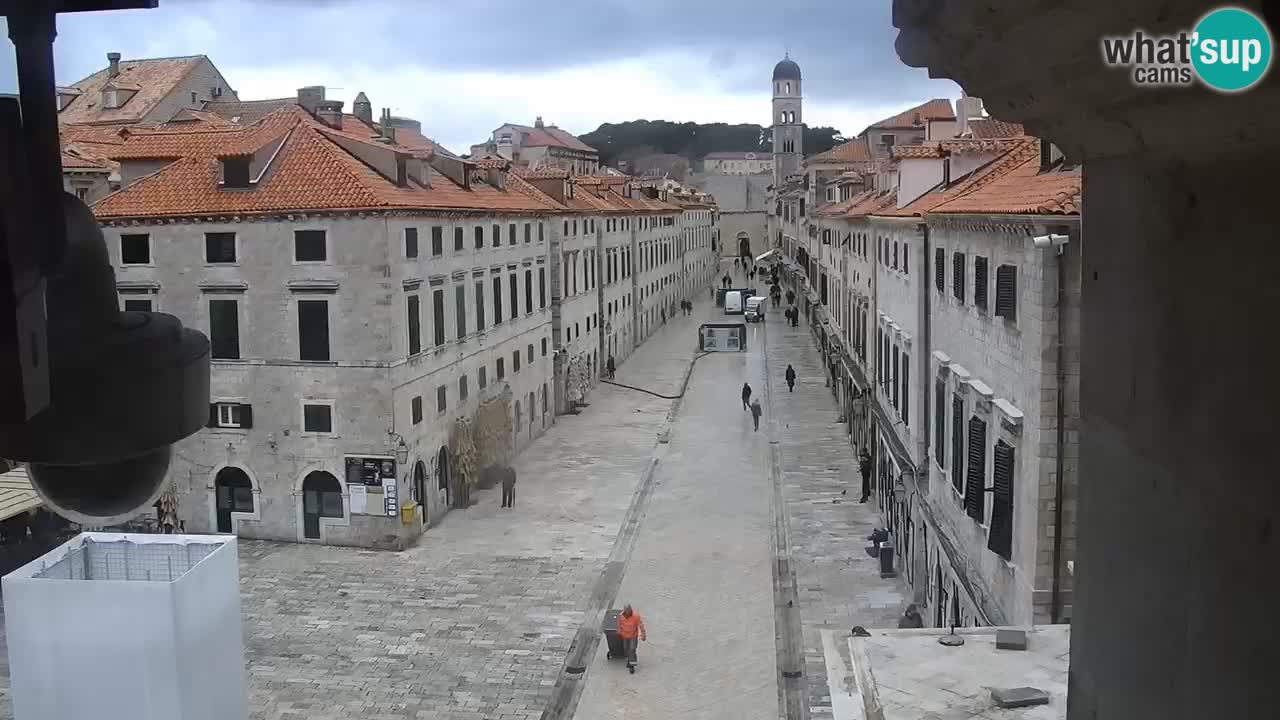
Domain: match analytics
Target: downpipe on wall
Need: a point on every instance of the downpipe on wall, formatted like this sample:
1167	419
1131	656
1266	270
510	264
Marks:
1058	243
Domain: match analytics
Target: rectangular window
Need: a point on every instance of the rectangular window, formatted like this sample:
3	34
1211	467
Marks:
135	249
511	234
515	361
895	255
528	233
957	443
1000	539
497	235
463	390
479	306
501	368
957	272
442	399
1007	292
230	415
437	241
460	309
906	384
313	330
437	315
940	269
542	287
544	347
479	237
224	329
975	487
310	246
540	231
415	325
905	270
219	247
411	242
528	291
459	238
893	378
528	357
513	283
980	282
138	306
317	418
482	377
940	422
415	409
497	299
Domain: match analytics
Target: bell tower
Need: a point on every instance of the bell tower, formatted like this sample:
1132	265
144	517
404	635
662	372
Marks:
788	120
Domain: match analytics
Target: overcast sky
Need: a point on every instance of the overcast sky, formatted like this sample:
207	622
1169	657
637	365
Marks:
463	68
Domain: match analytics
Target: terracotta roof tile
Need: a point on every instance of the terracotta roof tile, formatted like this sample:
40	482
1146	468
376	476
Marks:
979	178
992	128
154	78
72	160
856	150
552	136
247	112
935	109
1022	190
869	202
541	173
923	150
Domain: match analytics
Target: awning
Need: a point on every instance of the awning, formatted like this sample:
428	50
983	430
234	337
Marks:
770	254
16	494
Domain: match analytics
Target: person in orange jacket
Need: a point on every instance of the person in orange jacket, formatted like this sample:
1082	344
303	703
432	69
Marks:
631	632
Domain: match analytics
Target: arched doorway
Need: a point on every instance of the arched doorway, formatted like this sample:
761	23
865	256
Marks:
233	493
744	245
420	487
321	497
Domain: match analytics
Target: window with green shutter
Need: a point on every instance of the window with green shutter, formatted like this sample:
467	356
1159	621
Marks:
975	487
1000	538
980	282
940	422
957	443
957	272
1007	292
940	269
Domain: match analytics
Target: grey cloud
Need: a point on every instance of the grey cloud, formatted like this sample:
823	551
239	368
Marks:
844	48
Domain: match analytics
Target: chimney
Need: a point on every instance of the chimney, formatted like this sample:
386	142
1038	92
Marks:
967	108
388	130
113	64
538	122
363	109
311	96
329	112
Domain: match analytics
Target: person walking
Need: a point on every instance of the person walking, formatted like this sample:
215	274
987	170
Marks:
630	632
609	367
795	316
791	379
746	396
756	412
508	487
791	297
864	467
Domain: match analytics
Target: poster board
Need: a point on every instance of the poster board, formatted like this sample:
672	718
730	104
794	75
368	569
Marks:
371	485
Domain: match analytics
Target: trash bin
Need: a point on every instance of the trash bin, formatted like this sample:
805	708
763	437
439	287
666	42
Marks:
610	629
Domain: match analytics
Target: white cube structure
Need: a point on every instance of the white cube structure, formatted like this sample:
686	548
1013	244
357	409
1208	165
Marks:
117	626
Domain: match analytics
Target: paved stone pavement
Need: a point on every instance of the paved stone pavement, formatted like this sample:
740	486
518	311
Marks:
700	572
839	585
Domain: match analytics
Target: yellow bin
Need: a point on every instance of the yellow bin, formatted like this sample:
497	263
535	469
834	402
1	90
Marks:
409	512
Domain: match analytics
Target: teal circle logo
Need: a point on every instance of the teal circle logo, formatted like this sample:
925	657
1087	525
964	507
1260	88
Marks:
1231	49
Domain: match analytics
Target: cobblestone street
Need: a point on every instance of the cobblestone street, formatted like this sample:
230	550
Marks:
476	621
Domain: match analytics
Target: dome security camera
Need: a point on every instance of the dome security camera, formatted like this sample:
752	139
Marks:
124	386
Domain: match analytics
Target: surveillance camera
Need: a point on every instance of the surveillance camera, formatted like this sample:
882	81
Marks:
1052	240
123	387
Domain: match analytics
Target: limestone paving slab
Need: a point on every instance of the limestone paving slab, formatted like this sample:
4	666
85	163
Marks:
838	583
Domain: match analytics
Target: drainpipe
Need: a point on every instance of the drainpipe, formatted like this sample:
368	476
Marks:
925	352
1060	246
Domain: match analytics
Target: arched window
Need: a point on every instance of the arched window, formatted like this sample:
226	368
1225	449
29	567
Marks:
234	493
321	497
788	88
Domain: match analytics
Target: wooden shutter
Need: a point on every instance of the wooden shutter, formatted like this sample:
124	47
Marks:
246	418
213	415
940	269
906	383
940	422
1007	292
1000	539
980	282
957	271
957	443
976	474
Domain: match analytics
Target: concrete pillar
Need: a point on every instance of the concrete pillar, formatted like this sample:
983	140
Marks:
1178	554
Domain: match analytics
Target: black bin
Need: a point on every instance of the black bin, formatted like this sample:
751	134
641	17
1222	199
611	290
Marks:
610	629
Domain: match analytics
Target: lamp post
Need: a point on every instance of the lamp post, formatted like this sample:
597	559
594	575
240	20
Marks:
401	449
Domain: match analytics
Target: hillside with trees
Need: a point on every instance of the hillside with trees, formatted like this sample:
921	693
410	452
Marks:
636	139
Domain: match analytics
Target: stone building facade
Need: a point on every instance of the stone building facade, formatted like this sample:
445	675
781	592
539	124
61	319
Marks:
384	321
955	360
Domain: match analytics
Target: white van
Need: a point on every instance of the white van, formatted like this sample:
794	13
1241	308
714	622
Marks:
755	309
733	302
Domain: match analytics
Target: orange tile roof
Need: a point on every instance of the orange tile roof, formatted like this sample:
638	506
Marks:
541	173
552	136
187	118
73	160
1022	190
155	79
856	150
837	209
982	176
935	109
923	150
992	128
870	202
247	112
